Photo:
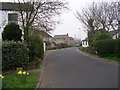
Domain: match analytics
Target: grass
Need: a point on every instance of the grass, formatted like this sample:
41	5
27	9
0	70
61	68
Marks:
114	58
13	81
91	51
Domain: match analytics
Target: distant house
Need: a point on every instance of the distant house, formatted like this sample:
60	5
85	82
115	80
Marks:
47	38
72	41
85	43
114	34
63	39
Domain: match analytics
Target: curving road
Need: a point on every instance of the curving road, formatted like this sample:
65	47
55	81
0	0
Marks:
68	68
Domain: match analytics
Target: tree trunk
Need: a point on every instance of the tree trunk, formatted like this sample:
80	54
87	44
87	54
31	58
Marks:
26	30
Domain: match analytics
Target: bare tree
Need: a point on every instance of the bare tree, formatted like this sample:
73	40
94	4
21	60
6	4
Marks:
100	16
40	14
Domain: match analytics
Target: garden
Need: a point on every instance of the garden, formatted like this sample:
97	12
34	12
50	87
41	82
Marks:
20	56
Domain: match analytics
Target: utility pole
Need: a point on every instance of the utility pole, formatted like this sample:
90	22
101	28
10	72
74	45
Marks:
75	41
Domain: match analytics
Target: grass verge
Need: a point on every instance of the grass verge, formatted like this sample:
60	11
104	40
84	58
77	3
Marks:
90	50
14	81
113	58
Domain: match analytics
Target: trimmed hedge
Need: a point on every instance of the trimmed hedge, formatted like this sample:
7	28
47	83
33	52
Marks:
12	32
35	45
90	50
14	54
108	47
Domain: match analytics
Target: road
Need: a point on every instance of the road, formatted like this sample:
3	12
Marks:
68	68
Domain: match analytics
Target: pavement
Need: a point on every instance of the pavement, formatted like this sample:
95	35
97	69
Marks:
70	68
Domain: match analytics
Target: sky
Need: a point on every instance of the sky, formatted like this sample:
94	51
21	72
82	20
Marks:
70	24
68	21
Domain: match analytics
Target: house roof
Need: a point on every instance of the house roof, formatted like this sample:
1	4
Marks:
61	36
44	34
86	39
71	38
40	32
9	6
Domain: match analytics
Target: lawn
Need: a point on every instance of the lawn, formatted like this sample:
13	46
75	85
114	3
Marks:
19	81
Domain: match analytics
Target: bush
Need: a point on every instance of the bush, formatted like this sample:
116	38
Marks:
35	45
108	47
14	54
90	49
13	32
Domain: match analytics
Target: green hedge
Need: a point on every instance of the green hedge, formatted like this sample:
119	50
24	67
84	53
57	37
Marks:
90	49
108	47
35	45
14	54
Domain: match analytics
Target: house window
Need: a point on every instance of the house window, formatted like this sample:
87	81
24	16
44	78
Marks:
13	17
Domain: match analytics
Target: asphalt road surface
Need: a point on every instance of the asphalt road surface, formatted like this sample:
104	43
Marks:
68	68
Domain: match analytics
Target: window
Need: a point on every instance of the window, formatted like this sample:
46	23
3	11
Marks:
12	17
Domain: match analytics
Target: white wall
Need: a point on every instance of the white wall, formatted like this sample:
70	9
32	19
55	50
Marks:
4	20
85	44
115	36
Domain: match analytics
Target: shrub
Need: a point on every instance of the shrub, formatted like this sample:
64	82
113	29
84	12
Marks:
14	54
97	35
108	47
12	32
35	45
90	49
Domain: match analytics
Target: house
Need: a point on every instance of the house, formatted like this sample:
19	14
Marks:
63	39
114	34
47	38
85	43
10	13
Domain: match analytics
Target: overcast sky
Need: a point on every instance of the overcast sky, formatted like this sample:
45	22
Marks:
69	23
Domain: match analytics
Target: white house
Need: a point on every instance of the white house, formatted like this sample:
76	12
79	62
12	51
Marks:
114	34
85	43
9	13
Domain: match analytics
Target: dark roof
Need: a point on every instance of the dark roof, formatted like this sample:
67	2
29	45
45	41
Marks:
61	36
9	6
44	34
71	38
39	32
113	32
86	39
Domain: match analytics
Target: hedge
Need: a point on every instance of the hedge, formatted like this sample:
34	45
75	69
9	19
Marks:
108	47
12	32
35	45
14	54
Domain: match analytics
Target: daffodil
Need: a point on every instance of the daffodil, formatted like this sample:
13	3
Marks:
2	76
24	72
20	72
27	73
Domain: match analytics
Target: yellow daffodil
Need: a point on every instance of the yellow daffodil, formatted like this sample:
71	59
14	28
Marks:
27	73
24	72
2	76
20	72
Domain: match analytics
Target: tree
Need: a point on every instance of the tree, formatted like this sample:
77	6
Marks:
12	31
41	15
98	35
103	15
